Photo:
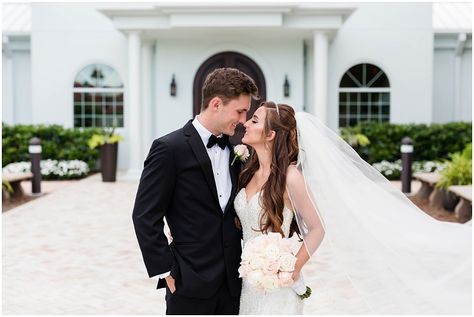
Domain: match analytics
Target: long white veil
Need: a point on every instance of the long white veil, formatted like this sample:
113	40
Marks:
399	259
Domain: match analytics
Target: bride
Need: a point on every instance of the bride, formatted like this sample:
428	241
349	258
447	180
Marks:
263	204
397	258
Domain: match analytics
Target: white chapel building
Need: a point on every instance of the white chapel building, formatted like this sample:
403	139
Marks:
141	66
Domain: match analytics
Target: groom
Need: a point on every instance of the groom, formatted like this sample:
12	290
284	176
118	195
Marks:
188	179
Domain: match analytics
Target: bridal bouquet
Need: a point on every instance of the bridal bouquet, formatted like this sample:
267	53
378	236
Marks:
268	263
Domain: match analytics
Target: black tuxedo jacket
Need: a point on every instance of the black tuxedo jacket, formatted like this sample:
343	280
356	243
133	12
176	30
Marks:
177	182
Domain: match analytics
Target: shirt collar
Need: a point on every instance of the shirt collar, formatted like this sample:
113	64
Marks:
204	133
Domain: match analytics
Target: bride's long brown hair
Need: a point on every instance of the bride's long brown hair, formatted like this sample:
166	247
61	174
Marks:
283	153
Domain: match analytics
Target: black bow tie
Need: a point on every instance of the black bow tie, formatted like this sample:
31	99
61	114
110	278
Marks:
222	141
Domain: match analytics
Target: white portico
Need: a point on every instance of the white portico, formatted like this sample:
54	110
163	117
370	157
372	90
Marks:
266	34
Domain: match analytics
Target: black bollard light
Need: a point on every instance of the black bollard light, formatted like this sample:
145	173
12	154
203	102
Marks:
35	153
407	157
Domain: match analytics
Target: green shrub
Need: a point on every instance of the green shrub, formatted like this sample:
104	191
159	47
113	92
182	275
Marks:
7	186
58	143
355	139
431	142
467	152
459	169
110	137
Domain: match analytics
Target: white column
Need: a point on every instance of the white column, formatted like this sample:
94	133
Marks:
8	110
457	109
134	108
147	101
320	58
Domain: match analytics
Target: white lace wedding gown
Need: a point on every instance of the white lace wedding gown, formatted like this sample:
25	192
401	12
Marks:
283	301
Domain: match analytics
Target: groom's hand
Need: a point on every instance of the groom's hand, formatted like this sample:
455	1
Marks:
170	282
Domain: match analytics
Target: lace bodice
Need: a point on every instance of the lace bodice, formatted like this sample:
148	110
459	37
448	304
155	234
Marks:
250	211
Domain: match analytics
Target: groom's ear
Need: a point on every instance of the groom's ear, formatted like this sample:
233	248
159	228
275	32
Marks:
214	103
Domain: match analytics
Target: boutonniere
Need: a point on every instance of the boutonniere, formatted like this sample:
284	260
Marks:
241	152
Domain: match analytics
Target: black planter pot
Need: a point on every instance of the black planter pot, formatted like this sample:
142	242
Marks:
108	161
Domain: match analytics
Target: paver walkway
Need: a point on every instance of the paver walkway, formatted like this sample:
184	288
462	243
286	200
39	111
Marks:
74	251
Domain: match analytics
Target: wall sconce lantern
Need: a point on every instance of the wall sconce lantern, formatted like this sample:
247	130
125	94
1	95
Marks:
286	87
173	87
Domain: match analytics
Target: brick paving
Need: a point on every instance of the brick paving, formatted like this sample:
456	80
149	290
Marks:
74	251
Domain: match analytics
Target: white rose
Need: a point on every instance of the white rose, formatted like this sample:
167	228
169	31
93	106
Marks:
270	282
258	243
256	262
246	254
285	245
244	269
272	252
274	237
242	151
255	278
287	262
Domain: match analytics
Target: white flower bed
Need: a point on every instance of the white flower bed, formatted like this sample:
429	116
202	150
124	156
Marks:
388	169
428	166
392	170
52	169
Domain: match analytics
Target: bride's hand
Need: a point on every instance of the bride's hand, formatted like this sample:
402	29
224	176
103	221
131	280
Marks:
296	275
301	258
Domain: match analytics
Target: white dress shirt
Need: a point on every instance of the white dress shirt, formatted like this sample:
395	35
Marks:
220	164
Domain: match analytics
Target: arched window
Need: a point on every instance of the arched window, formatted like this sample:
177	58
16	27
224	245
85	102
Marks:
98	97
364	95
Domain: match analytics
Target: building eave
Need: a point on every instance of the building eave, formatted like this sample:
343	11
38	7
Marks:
229	15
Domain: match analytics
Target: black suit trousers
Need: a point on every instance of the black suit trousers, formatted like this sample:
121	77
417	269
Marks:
221	303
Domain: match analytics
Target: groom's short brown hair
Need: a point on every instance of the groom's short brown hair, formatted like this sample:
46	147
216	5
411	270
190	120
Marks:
227	84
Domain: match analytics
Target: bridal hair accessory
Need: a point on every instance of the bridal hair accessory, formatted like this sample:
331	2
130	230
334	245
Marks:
276	106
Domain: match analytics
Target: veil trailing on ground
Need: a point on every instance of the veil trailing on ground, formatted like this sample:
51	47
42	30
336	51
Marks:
397	258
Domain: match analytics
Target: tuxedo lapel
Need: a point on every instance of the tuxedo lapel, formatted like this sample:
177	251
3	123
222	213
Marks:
232	170
234	177
195	142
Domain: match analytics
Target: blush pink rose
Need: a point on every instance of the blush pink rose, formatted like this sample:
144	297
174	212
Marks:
284	279
244	269
271	267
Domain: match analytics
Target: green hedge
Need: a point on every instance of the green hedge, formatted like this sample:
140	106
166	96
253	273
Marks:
58	143
431	142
